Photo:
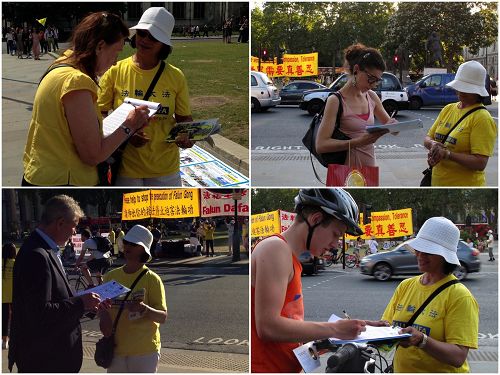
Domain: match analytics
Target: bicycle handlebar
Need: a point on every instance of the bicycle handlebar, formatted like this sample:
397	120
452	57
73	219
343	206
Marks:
341	356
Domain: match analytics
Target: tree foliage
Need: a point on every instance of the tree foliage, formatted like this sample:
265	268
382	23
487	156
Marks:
425	203
458	24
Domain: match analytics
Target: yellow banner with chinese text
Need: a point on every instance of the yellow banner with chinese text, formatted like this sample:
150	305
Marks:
388	224
136	205
266	224
303	65
175	203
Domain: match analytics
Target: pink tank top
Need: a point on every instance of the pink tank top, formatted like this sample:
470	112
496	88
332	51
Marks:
354	126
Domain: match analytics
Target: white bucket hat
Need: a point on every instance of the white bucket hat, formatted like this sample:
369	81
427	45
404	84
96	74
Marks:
159	22
470	78
140	236
438	236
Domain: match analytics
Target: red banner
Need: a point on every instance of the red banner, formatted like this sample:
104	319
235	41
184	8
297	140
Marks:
217	204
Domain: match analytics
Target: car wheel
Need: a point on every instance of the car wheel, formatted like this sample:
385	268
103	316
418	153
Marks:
382	272
315	106
255	105
415	102
460	272
390	107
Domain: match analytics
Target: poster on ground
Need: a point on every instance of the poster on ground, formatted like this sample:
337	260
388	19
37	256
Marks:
199	168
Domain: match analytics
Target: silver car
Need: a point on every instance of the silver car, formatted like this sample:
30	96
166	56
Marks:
402	261
264	93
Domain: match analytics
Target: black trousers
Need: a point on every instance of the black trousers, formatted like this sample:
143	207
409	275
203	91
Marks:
5	318
209	244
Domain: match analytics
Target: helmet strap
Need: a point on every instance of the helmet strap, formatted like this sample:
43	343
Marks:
311	229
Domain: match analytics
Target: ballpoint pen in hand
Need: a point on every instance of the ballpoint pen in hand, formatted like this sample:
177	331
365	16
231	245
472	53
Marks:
346	315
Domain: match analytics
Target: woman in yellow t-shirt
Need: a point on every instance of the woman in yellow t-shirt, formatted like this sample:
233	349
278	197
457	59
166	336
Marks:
8	257
148	160
65	140
137	337
462	158
209	227
440	341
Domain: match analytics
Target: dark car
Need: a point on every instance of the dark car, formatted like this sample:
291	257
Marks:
402	261
390	92
292	93
310	263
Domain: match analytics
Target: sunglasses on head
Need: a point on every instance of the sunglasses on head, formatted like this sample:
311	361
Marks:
146	34
371	78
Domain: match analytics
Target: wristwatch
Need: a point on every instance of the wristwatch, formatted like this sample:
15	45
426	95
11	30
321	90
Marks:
125	129
423	343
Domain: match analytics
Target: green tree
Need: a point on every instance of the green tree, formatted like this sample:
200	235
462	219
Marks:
458	24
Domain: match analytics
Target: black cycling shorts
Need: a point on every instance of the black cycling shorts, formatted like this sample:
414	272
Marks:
99	265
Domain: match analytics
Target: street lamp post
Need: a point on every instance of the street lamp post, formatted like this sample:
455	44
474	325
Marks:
236	231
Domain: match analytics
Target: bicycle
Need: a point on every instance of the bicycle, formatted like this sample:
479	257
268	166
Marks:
350	259
76	279
353	358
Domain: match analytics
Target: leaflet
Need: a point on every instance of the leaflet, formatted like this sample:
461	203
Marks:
196	130
307	356
119	115
371	334
397	127
111	289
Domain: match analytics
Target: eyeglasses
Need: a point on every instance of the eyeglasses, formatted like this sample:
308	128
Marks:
146	34
371	78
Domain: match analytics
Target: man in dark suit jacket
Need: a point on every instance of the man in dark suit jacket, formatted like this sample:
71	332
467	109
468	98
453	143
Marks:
45	329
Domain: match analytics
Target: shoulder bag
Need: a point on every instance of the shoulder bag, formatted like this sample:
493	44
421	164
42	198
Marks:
108	169
427	179
309	139
105	347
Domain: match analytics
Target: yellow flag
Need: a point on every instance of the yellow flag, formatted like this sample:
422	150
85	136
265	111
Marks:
42	20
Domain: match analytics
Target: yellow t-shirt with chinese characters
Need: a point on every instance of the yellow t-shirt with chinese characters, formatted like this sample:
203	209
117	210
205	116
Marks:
50	156
451	317
476	134
7	278
125	79
138	336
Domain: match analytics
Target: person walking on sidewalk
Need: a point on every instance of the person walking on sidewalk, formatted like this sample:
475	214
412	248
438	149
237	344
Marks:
9	253
46	335
137	337
277	303
230	234
65	139
490	241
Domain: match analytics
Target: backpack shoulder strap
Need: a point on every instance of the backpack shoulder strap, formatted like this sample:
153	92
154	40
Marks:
461	119
55	66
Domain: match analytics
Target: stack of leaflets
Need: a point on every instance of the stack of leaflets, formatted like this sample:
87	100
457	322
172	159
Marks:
196	130
119	115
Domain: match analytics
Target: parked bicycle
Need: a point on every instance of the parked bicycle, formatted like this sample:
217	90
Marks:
330	258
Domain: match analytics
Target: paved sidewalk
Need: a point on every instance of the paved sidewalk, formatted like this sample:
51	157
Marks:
20	79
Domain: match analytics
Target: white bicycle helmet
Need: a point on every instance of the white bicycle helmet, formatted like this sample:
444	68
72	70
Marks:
335	202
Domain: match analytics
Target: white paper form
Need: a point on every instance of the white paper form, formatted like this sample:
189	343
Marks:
307	356
371	334
111	289
397	127
119	115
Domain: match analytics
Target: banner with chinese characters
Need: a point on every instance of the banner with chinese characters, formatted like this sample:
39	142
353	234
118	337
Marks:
266	224
136	205
304	65
175	203
286	219
217	204
388	224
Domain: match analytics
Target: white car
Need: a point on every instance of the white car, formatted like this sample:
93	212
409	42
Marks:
390	92
264	94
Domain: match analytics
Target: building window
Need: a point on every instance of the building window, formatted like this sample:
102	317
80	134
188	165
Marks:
134	10
179	11
199	10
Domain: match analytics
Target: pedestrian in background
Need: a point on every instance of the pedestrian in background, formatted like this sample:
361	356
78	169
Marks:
9	253
230	234
19	42
137	337
360	106
209	227
373	245
119	241
156	247
65	140
112	239
147	159
461	158
99	260
46	335
10	42
440	339
490	241
36	44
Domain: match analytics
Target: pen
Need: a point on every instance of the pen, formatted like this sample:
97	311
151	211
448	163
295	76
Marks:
345	314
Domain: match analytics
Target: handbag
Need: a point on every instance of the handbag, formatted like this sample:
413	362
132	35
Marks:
105	347
108	169
427	179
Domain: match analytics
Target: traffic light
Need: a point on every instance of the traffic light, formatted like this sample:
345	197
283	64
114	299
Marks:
396	60
367	213
264	54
